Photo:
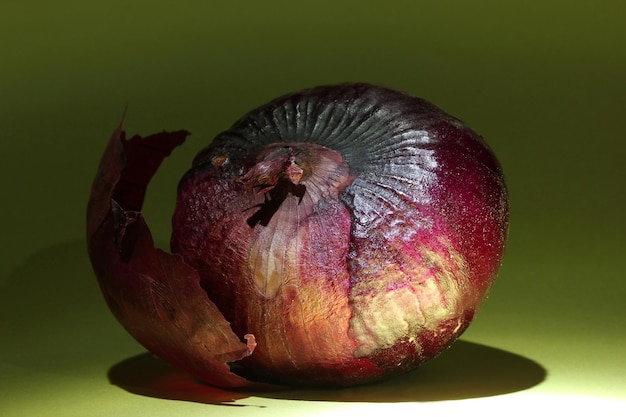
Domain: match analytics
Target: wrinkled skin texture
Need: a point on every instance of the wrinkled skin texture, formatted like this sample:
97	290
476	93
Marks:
373	260
353	230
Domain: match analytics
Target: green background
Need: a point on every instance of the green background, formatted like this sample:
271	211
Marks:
543	81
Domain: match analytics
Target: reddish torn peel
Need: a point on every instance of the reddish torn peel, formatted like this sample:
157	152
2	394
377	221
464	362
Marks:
155	295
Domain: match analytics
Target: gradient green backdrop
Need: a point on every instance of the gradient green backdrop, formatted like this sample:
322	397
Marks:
543	81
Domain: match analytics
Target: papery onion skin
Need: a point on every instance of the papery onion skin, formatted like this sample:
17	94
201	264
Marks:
353	229
155	295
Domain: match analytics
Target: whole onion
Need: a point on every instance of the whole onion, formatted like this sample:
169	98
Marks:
333	236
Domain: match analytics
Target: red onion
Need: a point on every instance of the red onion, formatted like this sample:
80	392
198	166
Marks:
333	236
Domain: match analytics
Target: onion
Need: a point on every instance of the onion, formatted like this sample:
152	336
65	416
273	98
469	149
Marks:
334	236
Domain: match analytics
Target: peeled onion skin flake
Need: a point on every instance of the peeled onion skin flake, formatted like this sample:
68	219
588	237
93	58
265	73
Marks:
334	236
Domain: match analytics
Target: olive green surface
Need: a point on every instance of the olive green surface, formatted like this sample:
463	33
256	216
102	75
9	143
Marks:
543	81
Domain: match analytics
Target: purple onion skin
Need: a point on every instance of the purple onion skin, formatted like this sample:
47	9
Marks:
354	230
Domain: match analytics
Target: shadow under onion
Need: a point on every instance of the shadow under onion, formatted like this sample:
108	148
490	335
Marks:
466	370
